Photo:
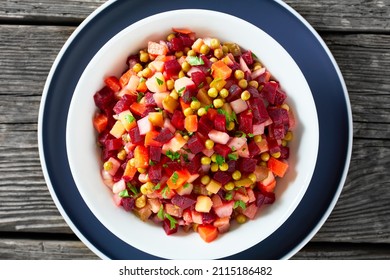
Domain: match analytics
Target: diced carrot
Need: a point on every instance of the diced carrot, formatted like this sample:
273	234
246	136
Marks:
277	167
149	139
113	83
138	108
142	86
183	105
125	78
267	188
191	123
220	70
156	48
100	122
182	30
208	232
141	156
178	179
130	171
156	118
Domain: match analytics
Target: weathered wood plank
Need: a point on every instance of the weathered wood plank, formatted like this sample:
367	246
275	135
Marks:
355	15
364	60
30	249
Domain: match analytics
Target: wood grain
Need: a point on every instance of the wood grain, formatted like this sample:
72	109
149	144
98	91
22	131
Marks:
329	15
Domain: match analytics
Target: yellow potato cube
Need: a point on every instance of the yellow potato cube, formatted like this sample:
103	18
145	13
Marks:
203	204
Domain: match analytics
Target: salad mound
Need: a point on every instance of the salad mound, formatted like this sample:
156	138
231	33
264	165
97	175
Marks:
193	135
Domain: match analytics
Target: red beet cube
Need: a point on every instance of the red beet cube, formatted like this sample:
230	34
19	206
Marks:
183	201
199	78
234	93
280	96
254	150
194	165
269	91
195	144
278	115
220	122
175	44
149	100
186	40
259	110
155	173
284	152
232	166
277	131
222	177
247	56
164	136
113	144
246	165
177	120
222	150
155	153
169	227
128	203
273	145
135	136
245	120
205	125
188	95
208	218
172	67
104	98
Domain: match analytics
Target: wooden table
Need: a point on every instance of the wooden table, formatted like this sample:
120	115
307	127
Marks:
356	31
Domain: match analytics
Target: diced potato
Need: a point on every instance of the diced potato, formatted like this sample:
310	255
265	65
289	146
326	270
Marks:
203	204
213	186
117	130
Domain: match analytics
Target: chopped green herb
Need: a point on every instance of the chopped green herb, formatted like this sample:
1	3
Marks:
187	185
239	203
151	163
158	109
220	159
232	156
208	107
194	60
172	221
234	149
240	134
133	189
175	177
251	135
129	118
164	192
185	157
157	187
165	165
201	85
159	82
181	90
160	213
172	155
140	95
229	117
229	196
124	193
142	80
194	98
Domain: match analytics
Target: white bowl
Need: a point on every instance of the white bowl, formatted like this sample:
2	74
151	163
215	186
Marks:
84	155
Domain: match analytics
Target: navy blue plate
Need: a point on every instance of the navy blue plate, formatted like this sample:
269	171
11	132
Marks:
279	21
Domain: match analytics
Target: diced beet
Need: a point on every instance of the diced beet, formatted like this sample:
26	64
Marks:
155	153
132	60
247	56
278	115
232	166
135	136
103	136
273	145
195	144
104	98
124	103
183	202
254	92
199	78
128	203
155	173
172	166
220	122
206	61
107	154
269	197
149	100
186	40
246	165
167	227
205	125
259	110
280	97
188	95
269	91
177	120
118	175
164	136
234	93
194	165
222	177
254	150
172	67
277	131
175	44
222	150
245	120
113	144
284	152
208	218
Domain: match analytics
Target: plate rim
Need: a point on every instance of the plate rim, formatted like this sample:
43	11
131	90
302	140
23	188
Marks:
59	57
